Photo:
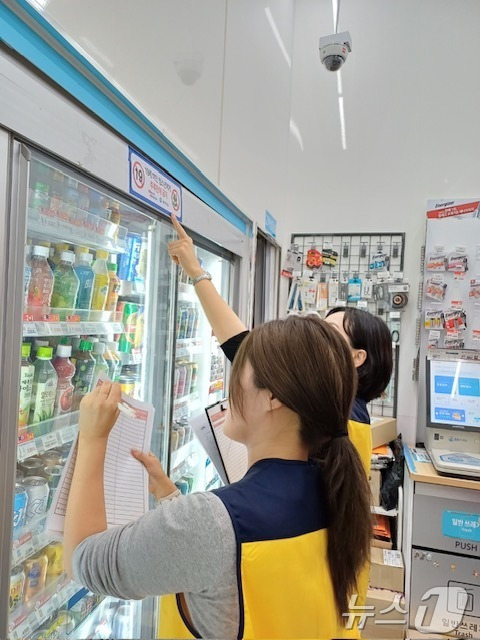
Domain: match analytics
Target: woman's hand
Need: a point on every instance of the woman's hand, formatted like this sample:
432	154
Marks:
182	251
99	411
159	484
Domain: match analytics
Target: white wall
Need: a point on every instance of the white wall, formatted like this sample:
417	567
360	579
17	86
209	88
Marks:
214	76
411	91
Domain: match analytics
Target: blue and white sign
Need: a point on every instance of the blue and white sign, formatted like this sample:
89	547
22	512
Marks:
465	526
152	185
270	224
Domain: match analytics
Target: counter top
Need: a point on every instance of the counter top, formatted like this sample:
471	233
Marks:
420	471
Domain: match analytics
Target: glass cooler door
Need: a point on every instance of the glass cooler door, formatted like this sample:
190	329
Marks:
199	376
98	294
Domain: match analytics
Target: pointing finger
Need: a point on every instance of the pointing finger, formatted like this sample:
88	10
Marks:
178	227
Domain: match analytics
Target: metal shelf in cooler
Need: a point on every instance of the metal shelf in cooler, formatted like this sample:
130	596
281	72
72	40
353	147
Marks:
30	616
58	431
56	229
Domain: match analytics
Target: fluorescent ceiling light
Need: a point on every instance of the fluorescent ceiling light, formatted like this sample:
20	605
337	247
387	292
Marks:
277	35
342	123
339	82
295	131
335	15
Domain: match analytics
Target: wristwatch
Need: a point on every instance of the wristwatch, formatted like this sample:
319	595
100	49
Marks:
203	276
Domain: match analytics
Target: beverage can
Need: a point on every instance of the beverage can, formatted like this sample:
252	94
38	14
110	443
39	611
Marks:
193	382
127	383
35	575
32	466
182	486
181	380
37	494
52	457
19	508
54	553
190	322
188	378
130	317
182	334
53	475
17	585
138	340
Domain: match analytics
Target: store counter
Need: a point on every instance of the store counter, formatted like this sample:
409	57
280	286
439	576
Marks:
441	547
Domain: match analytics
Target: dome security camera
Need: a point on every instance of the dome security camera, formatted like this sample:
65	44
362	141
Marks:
334	50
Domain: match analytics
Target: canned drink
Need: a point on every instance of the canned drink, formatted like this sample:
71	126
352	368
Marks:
54	553
35	575
189	477
53	457
182	334
31	466
127	384
188	378
192	314
130	317
182	486
17	584
193	381
19	508
181	380
37	493
53	474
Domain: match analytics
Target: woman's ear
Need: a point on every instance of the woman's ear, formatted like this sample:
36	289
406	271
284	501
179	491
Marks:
275	403
359	357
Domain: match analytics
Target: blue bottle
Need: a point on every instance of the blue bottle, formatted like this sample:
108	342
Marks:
86	276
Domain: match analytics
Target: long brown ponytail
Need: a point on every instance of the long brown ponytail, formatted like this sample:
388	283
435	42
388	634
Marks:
308	366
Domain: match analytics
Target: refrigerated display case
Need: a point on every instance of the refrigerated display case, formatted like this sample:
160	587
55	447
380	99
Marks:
199	375
48	139
98	287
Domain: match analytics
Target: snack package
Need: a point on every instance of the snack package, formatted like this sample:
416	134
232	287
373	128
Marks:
435	288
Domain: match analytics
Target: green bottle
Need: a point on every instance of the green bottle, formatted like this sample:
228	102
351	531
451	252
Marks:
66	282
45	382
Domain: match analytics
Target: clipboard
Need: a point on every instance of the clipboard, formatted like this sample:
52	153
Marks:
232	455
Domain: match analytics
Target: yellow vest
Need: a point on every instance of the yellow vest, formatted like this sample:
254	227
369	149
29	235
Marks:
283	574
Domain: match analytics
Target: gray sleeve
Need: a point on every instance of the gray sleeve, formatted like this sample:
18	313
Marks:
181	546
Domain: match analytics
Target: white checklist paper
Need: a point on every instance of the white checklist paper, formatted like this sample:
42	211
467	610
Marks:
125	478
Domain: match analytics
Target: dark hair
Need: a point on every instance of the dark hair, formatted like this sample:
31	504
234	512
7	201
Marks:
307	365
370	333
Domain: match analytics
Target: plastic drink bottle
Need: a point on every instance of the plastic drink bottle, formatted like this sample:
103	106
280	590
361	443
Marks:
84	372
56	191
101	280
101	364
113	361
41	281
36	346
27	371
44	391
66	283
83	197
86	277
113	287
57	254
65	371
40	198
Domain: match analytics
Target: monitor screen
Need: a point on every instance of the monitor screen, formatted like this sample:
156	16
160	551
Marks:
453	394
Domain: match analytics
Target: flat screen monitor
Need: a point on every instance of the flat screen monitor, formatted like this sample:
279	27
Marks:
453	394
